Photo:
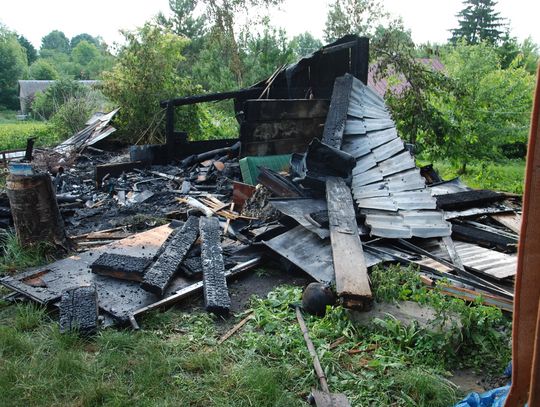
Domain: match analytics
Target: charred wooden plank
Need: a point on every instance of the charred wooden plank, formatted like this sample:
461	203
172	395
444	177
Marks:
79	310
216	293
484	238
352	281
172	253
337	114
120	266
468	199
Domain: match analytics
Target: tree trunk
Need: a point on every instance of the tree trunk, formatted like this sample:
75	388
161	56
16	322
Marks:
35	211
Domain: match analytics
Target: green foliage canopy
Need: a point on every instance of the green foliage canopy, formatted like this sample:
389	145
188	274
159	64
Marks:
13	64
146	73
56	40
31	52
43	70
491	108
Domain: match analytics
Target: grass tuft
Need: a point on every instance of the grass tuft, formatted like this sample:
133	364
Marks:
16	257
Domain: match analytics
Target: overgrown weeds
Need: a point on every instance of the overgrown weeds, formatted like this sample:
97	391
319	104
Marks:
176	359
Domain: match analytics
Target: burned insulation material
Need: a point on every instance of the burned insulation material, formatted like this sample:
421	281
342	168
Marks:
216	293
120	266
173	252
79	310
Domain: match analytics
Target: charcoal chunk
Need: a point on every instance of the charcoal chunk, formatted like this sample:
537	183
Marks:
120	266
79	310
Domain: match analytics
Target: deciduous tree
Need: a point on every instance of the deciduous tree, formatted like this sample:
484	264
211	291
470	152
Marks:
353	17
57	41
13	65
145	74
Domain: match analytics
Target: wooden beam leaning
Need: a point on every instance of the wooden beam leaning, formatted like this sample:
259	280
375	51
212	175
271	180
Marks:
352	280
525	386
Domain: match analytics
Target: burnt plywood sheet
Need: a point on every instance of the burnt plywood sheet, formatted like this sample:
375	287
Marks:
283	126
119	298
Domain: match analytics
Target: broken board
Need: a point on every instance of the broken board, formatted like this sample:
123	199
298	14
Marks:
216	293
352	280
159	275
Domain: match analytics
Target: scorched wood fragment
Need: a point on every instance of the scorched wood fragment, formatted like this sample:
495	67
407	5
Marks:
79	310
170	257
120	266
216	293
352	281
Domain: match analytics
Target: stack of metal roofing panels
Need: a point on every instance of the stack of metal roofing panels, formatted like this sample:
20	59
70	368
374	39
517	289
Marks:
387	185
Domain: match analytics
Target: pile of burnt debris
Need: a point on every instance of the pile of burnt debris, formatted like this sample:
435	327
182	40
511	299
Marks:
319	180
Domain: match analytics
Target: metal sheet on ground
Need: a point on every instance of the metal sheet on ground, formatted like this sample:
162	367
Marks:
299	208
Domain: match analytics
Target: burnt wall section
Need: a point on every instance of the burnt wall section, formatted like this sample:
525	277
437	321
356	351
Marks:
79	310
172	253
281	126
216	293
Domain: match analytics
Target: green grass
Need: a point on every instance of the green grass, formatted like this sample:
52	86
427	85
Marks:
16	258
176	360
14	135
505	176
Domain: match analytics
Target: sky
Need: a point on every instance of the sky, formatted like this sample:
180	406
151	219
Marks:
428	20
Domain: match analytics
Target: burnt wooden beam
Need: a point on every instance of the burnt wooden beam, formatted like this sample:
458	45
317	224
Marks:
337	114
484	238
468	199
170	257
120	266
212	97
79	310
216	293
352	280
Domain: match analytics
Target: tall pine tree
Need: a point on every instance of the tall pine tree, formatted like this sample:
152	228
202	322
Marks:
478	21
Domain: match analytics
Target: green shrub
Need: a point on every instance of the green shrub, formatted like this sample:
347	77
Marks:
47	103
73	114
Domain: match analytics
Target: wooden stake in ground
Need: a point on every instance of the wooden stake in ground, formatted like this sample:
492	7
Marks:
35	211
322	398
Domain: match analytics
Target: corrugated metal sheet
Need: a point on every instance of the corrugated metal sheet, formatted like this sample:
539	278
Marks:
313	255
491	262
387	185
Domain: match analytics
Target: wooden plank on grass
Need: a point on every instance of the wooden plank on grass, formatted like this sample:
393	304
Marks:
352	281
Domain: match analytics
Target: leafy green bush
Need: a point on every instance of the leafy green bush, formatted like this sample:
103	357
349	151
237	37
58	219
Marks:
14	135
73	114
145	74
47	103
